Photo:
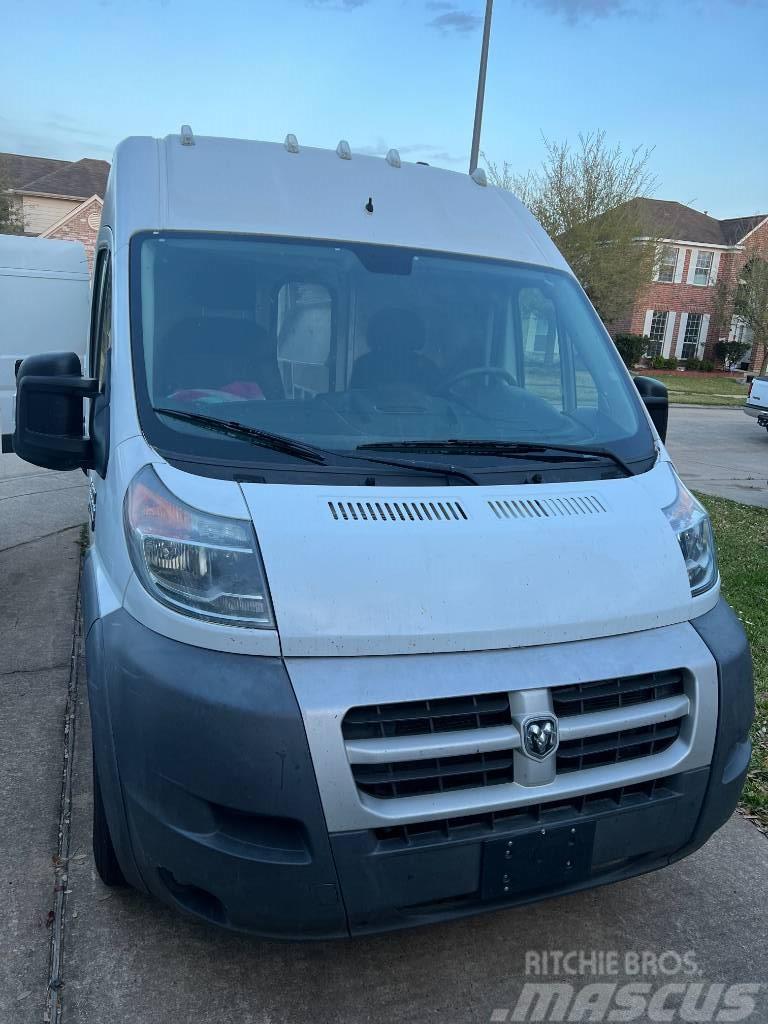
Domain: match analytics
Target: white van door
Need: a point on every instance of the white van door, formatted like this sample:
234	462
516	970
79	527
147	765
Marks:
44	299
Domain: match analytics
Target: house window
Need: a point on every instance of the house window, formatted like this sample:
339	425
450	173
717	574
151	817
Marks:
657	333
668	264
703	269
691	336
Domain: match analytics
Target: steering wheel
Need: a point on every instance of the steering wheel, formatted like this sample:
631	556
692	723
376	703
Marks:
479	371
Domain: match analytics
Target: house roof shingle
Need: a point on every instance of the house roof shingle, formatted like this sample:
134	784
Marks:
664	218
16	170
80	179
737	227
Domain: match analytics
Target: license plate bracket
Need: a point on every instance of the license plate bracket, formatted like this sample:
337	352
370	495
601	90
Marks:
542	859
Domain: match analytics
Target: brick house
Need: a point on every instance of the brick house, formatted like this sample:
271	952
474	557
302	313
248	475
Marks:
677	310
57	198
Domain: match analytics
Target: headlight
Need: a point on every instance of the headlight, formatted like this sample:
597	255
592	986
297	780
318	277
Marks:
199	564
689	519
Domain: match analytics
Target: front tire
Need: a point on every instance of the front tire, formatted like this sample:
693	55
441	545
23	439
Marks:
103	850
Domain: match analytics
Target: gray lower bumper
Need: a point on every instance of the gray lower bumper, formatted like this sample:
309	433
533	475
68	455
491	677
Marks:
213	804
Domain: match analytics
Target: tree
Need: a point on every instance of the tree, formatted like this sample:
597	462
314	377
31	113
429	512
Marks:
751	305
11	219
730	352
585	200
747	299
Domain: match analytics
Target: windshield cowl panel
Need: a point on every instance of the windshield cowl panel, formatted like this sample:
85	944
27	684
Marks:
275	352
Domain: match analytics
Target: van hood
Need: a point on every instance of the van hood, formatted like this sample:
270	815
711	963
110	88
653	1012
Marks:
367	570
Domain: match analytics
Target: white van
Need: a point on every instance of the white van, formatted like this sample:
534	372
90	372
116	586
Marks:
44	303
396	608
756	404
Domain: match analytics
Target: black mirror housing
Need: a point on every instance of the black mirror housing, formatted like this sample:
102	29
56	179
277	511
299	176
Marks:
656	400
49	430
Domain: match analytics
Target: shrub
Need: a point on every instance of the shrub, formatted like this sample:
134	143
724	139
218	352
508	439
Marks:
707	366
631	348
693	364
730	352
660	363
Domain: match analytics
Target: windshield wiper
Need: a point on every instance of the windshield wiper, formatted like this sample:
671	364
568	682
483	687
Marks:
510	449
308	452
265	438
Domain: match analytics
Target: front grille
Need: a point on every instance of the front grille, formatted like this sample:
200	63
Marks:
435	747
490	823
605	695
414	718
615	747
435	775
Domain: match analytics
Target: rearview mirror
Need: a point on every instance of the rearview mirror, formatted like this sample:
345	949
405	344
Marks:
49	430
656	401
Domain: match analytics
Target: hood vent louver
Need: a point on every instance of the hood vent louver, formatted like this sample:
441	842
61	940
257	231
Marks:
546	508
429	511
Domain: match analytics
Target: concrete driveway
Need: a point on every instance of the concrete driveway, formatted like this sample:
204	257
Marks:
73	951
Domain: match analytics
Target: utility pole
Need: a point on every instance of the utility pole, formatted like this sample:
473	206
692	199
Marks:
481	87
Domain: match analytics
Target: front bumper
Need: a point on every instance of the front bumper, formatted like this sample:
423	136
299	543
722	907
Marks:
213	804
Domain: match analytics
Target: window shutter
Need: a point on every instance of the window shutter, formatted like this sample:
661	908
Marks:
681	334
715	267
703	332
692	266
680	264
647	324
669	333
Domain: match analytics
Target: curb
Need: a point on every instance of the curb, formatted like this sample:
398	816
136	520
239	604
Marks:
690	405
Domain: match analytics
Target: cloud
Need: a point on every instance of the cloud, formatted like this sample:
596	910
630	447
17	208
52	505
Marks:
574	11
454	20
578	11
59	136
417	150
337	5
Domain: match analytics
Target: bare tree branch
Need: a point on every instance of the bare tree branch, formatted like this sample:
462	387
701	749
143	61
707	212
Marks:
583	197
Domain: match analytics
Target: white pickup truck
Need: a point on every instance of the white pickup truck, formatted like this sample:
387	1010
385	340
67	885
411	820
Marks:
757	401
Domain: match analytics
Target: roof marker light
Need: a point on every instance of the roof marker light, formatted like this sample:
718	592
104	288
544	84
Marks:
291	143
479	177
343	151
187	138
393	158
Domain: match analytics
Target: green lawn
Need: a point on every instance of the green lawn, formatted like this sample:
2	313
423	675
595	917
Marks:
742	540
685	389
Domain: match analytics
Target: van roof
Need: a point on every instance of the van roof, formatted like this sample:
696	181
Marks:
235	185
19	252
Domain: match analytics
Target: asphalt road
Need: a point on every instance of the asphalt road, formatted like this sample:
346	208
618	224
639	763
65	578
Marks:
720	451
117	956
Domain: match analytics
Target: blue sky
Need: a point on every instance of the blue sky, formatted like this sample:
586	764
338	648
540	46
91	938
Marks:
684	76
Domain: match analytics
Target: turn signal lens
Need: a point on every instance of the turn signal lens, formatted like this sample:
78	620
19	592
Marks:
198	564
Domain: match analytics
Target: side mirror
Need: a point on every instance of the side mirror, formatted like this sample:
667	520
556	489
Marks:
656	401
49	412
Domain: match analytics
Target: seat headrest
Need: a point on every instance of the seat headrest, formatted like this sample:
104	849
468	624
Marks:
210	352
392	327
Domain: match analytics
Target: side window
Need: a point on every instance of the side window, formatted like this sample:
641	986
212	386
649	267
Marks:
541	345
101	317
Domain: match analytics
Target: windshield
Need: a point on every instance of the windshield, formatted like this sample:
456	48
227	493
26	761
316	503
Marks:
341	345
